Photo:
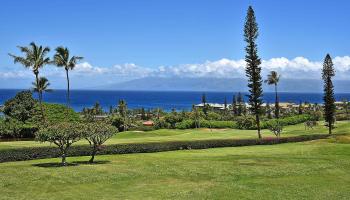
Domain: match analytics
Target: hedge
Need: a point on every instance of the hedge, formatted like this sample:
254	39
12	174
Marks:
21	154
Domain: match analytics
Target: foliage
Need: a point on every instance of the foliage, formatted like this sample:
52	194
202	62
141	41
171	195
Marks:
161	123
42	85
96	134
172	118
329	106
213	116
123	112
197	115
62	134
272	79
286	121
342	117
90	114
21	107
118	121
63	59
316	115
188	124
11	128
35	57
55	113
275	127
253	69
246	122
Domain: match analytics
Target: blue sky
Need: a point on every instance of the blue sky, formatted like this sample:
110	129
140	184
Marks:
166	33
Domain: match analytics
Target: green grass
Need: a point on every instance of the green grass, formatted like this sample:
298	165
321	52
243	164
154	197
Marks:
310	170
192	134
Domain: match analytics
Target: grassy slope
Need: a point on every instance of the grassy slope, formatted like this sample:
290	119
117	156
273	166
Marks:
310	170
192	134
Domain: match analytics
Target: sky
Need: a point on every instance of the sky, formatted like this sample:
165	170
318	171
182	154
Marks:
124	40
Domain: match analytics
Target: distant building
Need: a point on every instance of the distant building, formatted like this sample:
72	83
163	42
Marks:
148	123
215	106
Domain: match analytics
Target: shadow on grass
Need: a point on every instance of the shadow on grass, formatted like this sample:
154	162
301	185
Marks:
71	164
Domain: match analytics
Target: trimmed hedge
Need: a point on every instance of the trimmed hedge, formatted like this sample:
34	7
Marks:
7	155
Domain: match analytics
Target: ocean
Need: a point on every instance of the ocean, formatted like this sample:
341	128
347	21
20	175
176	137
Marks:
157	99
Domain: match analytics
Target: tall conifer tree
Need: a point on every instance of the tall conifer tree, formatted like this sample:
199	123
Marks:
328	89
253	68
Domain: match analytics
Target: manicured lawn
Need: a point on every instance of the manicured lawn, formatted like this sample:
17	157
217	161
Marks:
193	134
310	170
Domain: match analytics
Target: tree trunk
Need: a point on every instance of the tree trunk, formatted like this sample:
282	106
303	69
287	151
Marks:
39	94
258	125
68	91
93	153
329	128
64	158
276	103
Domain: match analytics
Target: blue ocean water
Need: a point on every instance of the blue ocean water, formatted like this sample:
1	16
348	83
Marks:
157	99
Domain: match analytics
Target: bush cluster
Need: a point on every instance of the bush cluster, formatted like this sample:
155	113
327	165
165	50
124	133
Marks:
248	122
188	124
342	117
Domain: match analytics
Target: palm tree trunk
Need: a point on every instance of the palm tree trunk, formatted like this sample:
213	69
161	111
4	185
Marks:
68	91
277	112
39	94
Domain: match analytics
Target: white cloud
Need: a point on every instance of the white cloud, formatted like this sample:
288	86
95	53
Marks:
298	67
15	74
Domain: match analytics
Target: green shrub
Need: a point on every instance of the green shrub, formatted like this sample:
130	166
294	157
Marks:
161	123
246	122
21	107
55	113
12	128
342	117
188	124
185	124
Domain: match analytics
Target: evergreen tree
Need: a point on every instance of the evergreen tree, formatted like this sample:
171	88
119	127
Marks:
300	108
234	105
143	114
225	103
240	102
268	110
204	102
110	109
253	68
123	112
328	88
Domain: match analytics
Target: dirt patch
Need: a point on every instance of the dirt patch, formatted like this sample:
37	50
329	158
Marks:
214	129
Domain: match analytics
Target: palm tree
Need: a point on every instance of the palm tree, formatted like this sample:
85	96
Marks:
272	79
123	111
62	59
34	58
41	86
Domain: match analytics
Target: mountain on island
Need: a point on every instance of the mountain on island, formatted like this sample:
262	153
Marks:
220	84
